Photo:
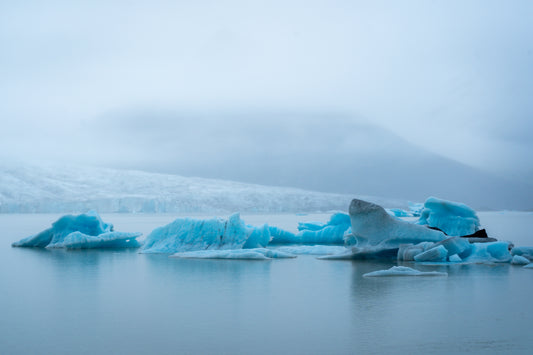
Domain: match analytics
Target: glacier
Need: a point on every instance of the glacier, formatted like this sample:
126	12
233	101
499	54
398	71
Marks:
453	218
188	234
84	231
403	271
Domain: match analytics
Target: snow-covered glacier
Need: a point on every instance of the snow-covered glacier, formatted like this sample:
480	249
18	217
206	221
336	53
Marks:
82	231
74	189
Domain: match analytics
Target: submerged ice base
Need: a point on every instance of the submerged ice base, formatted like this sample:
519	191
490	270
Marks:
84	231
241	254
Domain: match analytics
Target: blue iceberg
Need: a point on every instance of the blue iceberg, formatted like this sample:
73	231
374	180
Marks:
84	231
453	218
331	232
519	260
187	234
526	252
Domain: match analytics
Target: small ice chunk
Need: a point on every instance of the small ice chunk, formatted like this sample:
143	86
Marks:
243	254
529	266
453	218
437	254
456	245
497	252
398	212
403	271
519	260
526	252
407	252
455	259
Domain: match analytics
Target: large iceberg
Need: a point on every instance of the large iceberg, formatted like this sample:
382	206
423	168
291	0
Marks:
376	234
453	218
187	234
83	231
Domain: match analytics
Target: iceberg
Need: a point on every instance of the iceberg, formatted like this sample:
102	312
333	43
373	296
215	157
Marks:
526	252
415	208
376	234
243	254
519	260
453	218
83	231
529	266
494	252
436	254
403	271
331	232
398	212
187	234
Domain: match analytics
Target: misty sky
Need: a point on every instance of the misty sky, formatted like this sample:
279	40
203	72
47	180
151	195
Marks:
120	82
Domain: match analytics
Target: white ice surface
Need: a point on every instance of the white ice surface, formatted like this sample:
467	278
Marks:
403	271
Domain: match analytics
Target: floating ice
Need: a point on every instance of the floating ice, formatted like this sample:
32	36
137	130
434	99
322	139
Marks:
436	254
397	212
415	208
187	234
246	254
526	252
529	266
497	252
452	218
312	249
519	260
331	232
403	271
83	231
376	234
281	236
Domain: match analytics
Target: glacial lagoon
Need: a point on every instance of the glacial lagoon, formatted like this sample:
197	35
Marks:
123	302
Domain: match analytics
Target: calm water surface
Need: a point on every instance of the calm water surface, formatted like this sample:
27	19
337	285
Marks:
122	302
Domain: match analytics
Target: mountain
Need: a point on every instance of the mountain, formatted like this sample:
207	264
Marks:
61	189
320	152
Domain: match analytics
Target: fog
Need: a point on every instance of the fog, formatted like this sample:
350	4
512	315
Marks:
402	99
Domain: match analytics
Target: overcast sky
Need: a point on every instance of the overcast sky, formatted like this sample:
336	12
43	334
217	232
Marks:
451	77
